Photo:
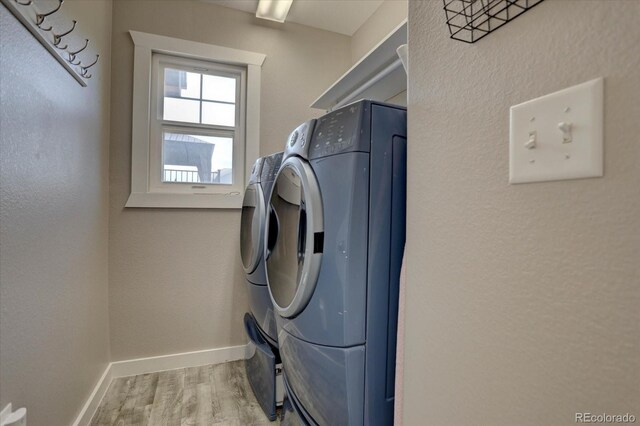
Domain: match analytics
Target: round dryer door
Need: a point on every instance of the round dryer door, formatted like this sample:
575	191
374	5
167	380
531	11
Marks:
252	227
294	237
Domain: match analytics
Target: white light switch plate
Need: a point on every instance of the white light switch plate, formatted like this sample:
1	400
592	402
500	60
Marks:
558	136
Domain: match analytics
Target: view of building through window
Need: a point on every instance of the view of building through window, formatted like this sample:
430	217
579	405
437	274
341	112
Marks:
202	99
189	158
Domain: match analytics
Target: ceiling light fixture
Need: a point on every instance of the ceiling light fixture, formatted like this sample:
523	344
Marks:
273	10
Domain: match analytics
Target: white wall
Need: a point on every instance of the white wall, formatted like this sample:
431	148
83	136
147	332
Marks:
54	135
522	301
176	281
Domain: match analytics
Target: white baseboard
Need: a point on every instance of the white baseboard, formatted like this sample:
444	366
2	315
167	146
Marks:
90	407
133	367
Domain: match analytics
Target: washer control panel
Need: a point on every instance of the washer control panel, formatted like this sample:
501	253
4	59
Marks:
297	143
270	167
256	171
293	138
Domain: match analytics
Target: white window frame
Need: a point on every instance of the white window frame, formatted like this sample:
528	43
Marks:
143	192
157	124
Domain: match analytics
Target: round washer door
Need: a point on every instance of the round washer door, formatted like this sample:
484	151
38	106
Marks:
294	237
252	227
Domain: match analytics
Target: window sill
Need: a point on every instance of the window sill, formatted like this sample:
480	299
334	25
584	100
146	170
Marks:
184	201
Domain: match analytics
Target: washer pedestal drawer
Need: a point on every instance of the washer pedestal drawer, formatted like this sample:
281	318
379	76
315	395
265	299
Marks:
264	370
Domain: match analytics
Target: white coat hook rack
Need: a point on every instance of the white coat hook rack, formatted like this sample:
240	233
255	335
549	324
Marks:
85	68
73	55
40	17
47	22
57	38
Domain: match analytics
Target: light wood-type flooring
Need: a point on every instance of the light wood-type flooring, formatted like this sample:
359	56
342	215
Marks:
209	395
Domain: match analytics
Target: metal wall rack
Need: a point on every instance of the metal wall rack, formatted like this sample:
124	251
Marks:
470	20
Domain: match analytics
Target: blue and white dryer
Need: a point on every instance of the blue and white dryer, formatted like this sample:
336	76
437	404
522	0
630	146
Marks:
252	227
263	366
333	250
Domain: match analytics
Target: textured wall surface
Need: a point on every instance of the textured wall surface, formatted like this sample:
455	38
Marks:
54	339
522	301
176	281
388	16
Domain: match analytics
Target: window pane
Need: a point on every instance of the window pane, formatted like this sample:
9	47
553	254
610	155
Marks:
198	159
218	114
215	88
181	110
181	84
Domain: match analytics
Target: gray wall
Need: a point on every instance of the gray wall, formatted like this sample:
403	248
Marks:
388	16
176	281
522	301
399	99
53	220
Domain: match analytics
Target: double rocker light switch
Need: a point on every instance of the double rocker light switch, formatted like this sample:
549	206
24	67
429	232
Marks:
558	136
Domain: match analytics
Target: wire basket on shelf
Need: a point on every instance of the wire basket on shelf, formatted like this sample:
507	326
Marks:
470	20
